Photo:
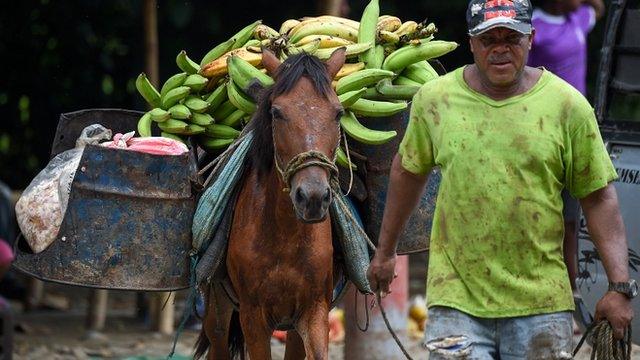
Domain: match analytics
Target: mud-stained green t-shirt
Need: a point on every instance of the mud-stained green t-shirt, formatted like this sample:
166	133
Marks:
496	243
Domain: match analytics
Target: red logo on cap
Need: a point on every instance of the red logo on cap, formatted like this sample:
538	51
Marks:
498	13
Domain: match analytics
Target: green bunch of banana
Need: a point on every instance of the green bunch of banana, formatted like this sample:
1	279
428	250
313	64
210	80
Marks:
387	63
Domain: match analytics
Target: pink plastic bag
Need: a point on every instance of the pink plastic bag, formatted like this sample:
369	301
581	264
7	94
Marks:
149	145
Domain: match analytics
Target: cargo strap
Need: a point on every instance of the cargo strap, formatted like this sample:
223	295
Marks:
304	160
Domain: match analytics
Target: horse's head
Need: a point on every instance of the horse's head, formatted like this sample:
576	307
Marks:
304	115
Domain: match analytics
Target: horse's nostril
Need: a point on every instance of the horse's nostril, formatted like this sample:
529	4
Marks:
300	196
327	196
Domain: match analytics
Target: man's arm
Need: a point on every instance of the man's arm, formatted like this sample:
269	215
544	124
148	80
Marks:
403	195
598	7
607	232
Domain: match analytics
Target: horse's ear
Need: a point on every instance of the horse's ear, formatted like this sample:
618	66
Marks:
270	61
336	61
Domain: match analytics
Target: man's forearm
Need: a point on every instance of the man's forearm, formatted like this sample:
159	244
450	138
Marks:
607	231
403	195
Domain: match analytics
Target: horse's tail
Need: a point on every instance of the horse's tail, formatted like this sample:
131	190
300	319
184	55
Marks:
202	345
236	337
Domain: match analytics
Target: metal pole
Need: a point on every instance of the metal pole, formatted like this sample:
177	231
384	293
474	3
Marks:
377	343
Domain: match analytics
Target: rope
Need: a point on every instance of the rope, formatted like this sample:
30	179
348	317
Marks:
393	333
304	160
346	147
605	347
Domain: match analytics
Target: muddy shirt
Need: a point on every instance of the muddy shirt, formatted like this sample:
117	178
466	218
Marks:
496	242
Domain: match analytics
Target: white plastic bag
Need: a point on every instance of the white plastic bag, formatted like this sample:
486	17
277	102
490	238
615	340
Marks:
41	208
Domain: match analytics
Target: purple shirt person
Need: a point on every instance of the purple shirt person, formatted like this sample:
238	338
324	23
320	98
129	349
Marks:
560	42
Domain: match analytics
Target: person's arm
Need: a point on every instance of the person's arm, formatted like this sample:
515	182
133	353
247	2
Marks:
403	196
607	232
598	7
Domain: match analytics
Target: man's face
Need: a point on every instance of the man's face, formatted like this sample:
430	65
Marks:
501	54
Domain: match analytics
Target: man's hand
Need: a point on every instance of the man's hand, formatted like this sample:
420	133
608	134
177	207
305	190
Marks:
381	273
616	308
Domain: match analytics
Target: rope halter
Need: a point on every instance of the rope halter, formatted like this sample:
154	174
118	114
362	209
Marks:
305	160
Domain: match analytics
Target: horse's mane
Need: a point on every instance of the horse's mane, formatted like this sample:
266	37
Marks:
286	77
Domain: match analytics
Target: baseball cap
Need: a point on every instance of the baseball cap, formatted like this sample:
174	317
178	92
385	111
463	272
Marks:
483	15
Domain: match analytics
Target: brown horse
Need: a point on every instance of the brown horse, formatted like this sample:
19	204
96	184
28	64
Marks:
280	253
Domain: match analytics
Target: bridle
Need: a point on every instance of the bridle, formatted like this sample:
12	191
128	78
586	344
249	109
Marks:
304	160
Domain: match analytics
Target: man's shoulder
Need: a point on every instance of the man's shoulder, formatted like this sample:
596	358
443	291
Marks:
573	103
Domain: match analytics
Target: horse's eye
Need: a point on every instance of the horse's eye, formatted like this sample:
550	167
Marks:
276	113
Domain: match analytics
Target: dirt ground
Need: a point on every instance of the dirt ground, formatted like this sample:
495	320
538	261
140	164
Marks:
57	335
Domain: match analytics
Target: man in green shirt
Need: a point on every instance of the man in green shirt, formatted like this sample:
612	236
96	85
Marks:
507	138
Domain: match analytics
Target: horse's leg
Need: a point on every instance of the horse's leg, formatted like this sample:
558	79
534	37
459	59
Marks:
257	333
216	323
314	329
295	346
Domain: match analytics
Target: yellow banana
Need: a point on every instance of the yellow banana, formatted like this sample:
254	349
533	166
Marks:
388	23
367	30
359	132
220	131
239	99
388	37
288	25
322	27
343	160
218	67
351	51
148	92
172	83
348	69
406	28
326	41
361	79
144	125
374	108
185	64
411	54
264	32
351	23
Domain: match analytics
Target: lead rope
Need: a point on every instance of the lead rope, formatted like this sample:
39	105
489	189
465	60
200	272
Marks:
605	347
393	333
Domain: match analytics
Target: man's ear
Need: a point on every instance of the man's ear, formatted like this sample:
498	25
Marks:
531	37
471	43
270	61
335	62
